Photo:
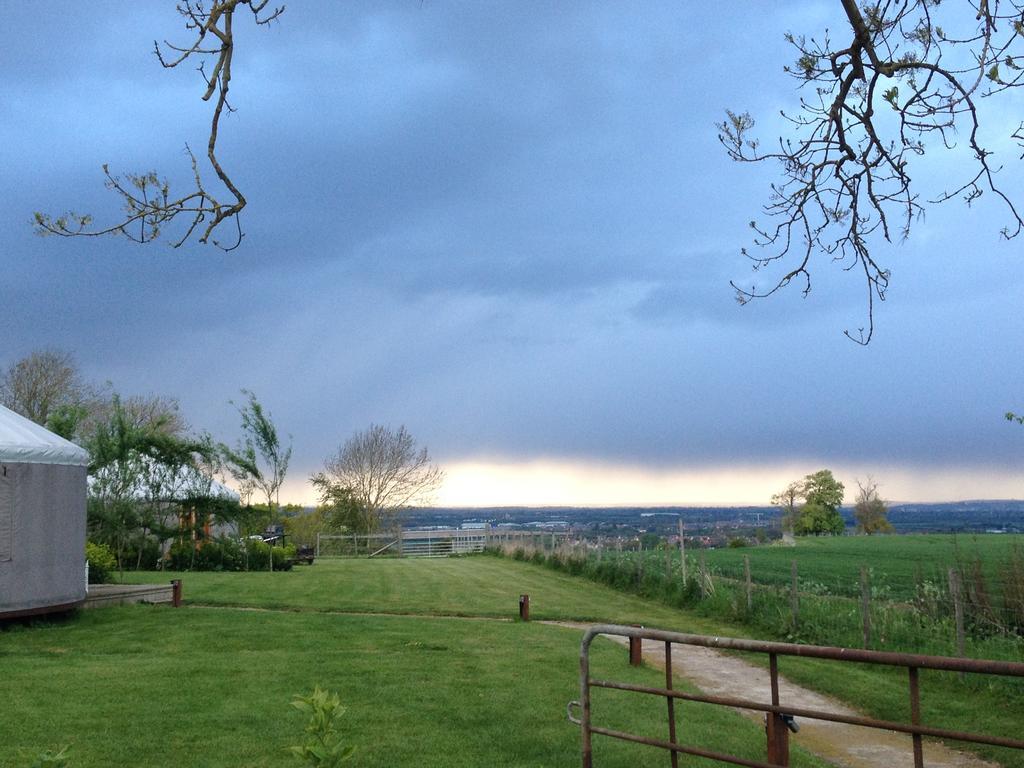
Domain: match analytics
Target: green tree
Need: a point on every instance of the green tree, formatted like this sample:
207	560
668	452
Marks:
823	495
140	473
811	506
259	462
870	510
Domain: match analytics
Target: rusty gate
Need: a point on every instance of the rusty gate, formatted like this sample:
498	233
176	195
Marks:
779	717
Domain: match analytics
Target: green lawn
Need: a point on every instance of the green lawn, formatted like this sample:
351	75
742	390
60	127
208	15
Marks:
209	684
210	687
467	586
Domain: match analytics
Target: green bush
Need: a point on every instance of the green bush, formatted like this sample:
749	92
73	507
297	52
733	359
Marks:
101	561
227	554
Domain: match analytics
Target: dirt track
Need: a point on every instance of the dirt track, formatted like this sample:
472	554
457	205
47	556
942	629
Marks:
720	674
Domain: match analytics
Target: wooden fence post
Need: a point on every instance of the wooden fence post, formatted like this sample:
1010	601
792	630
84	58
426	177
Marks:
865	605
958	611
794	596
682	550
702	574
750	589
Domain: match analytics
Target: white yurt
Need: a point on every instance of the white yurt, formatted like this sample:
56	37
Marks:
42	519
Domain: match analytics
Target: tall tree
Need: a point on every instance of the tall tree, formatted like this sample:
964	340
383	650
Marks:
820	495
786	501
897	80
259	462
41	383
384	472
870	510
823	495
136	470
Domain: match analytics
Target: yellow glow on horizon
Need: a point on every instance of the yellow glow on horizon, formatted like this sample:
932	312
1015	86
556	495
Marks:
586	484
559	482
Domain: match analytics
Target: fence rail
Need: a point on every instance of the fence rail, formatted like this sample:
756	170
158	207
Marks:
430	543
779	717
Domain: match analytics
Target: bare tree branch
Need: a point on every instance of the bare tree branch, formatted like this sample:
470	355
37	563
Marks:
147	201
901	84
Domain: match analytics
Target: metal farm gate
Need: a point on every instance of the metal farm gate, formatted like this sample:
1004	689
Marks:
779	718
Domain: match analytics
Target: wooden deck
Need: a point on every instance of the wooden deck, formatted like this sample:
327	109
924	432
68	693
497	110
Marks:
124	594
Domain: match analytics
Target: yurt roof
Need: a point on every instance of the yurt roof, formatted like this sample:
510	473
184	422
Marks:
22	441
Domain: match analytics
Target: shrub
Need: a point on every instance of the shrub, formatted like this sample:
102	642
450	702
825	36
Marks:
227	554
324	747
101	562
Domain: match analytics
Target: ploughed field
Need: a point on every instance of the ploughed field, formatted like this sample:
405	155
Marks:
209	684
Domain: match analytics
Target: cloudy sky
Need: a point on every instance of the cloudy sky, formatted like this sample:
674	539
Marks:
509	227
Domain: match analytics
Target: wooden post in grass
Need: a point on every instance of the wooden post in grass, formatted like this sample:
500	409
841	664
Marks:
958	612
865	605
682	550
702	574
750	587
794	596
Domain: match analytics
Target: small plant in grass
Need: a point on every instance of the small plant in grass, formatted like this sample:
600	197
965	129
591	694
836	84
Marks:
324	747
50	759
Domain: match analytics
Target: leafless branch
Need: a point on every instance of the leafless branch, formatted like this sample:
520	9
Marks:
147	201
900	85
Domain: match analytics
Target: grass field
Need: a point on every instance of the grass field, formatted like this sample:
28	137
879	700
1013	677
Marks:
209	684
896	562
469	586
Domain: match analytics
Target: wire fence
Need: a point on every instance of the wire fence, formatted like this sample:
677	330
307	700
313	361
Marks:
968	613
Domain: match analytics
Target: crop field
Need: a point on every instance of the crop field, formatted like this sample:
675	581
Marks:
897	563
424	654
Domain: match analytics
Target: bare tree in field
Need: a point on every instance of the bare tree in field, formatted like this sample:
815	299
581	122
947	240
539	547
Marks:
900	78
41	383
147	200
384	472
870	510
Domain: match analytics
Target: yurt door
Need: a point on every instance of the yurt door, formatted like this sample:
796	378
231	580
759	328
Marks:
6	513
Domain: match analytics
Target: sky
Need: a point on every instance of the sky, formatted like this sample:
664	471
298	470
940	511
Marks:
509	227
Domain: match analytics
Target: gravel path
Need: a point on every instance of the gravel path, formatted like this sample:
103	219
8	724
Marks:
720	674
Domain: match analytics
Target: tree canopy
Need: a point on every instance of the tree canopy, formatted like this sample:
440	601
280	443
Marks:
259	462
870	510
821	496
383	471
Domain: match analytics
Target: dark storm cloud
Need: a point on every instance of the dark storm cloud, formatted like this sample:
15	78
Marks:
508	226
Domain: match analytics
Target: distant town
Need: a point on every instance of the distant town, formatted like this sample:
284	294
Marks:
716	525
